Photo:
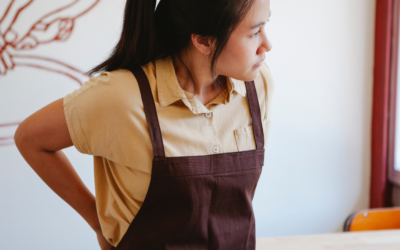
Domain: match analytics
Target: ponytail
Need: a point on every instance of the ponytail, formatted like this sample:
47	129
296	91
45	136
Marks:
137	45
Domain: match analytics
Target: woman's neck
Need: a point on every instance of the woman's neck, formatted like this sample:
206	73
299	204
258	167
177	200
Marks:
201	82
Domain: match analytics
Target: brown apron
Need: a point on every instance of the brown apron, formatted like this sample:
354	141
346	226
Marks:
197	202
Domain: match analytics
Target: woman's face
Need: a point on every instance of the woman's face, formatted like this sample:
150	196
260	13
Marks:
242	56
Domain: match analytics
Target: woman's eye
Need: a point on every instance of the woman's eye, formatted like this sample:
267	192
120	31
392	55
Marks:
255	34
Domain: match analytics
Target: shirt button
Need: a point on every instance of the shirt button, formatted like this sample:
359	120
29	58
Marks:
216	149
208	115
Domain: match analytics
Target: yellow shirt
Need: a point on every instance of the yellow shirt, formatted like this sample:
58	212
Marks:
105	118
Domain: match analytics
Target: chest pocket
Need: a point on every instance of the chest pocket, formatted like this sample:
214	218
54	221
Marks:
244	136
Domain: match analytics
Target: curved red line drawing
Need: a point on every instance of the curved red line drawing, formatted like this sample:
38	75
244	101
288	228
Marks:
62	8
51	70
39	32
5	12
9	124
8	140
17	13
50	65
5	141
55	25
49	60
76	16
45	27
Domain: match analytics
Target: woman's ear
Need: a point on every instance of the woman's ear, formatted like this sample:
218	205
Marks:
205	45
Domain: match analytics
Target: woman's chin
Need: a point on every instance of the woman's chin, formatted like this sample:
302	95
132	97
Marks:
250	76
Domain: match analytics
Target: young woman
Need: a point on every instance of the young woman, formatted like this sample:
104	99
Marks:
177	123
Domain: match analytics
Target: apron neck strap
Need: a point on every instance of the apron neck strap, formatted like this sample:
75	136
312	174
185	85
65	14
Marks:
255	114
154	125
150	111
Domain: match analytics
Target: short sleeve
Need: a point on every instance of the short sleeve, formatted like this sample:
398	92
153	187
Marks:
81	110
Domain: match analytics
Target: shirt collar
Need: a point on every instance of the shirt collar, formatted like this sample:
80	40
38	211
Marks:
169	90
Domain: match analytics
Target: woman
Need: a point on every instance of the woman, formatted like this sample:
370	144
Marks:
179	116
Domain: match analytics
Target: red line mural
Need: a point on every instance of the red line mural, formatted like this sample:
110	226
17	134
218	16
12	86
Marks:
27	24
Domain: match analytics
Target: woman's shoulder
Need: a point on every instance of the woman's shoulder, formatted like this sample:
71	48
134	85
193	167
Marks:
110	94
119	78
268	80
111	86
265	82
265	86
123	79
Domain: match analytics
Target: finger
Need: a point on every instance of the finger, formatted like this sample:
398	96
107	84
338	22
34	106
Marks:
66	29
2	42
2	67
21	22
50	33
11	36
27	43
7	60
12	12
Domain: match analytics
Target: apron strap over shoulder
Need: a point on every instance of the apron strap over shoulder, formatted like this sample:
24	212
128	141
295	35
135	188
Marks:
152	118
255	114
150	111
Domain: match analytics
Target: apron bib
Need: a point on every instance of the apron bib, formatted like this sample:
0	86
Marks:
197	202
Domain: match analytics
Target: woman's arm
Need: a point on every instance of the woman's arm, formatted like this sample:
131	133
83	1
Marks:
40	138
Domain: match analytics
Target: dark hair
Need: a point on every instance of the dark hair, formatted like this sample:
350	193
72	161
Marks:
148	34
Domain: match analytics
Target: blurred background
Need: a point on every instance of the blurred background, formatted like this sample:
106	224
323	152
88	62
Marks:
317	165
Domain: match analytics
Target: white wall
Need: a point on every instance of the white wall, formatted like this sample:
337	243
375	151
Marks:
31	215
317	163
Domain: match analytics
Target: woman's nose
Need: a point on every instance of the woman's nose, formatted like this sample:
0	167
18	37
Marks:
265	46
268	45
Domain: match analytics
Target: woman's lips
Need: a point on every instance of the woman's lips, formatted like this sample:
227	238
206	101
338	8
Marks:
257	65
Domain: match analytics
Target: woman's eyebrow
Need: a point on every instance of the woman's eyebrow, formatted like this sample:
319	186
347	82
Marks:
260	23
257	25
